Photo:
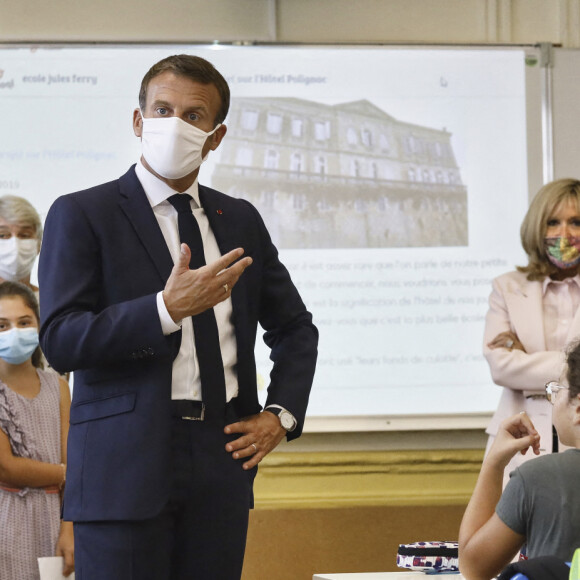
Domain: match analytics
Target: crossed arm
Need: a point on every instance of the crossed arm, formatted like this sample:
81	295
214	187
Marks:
511	365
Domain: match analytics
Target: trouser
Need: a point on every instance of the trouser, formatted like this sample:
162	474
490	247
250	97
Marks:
201	532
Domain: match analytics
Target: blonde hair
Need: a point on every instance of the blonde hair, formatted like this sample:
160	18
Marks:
533	230
18	210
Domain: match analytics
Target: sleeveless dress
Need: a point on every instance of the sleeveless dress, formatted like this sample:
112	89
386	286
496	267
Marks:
30	517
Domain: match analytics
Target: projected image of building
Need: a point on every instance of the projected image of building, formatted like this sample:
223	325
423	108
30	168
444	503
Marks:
342	176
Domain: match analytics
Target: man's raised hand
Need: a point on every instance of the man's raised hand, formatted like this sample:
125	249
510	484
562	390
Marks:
189	292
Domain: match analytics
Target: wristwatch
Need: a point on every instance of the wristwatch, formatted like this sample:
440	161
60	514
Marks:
287	420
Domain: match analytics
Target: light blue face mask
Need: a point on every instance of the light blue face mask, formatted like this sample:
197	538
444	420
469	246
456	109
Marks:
18	344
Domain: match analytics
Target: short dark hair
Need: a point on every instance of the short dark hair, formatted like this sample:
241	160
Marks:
192	67
9	289
573	371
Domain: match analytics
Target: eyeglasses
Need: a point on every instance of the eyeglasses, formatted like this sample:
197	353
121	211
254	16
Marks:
551	389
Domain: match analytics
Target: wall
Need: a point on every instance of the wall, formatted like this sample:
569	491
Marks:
330	502
348	511
389	21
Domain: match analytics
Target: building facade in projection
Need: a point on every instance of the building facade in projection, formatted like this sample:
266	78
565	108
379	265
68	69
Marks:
342	176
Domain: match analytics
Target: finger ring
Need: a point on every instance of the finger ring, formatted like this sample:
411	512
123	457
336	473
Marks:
509	343
522	412
226	288
255	448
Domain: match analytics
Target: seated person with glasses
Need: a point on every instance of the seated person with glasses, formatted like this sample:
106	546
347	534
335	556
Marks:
540	506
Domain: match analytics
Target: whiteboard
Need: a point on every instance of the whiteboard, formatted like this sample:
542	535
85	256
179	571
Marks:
393	180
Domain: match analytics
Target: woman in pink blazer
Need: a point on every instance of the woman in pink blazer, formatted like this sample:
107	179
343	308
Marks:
534	312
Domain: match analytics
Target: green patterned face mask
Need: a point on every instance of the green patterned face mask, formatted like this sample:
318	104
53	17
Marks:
563	251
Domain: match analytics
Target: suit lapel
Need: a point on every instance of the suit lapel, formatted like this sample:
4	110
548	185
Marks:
525	304
136	206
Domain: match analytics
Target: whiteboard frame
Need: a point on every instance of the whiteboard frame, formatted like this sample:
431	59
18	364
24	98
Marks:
540	166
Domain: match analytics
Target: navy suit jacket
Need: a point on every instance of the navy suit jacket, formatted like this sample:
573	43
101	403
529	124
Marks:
103	261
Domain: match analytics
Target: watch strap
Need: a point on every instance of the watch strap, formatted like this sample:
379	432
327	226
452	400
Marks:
282	414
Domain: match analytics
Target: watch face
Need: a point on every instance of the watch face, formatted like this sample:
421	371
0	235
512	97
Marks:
286	421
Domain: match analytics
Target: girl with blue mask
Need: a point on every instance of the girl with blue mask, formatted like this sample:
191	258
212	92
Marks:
34	417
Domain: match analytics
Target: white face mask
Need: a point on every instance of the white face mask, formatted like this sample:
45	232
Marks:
172	147
17	257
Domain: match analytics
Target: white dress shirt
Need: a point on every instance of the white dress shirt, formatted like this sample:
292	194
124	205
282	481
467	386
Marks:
560	303
186	382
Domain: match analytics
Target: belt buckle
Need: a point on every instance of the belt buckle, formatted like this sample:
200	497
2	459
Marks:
201	418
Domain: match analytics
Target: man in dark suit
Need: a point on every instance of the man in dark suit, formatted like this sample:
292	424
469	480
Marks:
154	303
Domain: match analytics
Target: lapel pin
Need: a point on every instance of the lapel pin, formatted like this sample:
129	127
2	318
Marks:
219	211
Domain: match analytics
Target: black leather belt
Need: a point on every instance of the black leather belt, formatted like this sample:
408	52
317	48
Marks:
188	410
195	410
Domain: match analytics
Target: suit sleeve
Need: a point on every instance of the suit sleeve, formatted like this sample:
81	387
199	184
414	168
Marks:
516	369
290	334
79	329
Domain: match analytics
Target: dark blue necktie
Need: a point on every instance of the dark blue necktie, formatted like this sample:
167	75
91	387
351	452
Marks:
205	330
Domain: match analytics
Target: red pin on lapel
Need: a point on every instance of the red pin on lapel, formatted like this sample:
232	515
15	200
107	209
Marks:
219	211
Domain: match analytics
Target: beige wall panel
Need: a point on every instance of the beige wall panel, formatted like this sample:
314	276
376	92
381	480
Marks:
394	21
295	544
341	479
348	512
135	20
537	21
427	21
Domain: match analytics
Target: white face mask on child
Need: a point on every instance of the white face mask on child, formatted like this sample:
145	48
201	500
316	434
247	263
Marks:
17	258
18	344
172	147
